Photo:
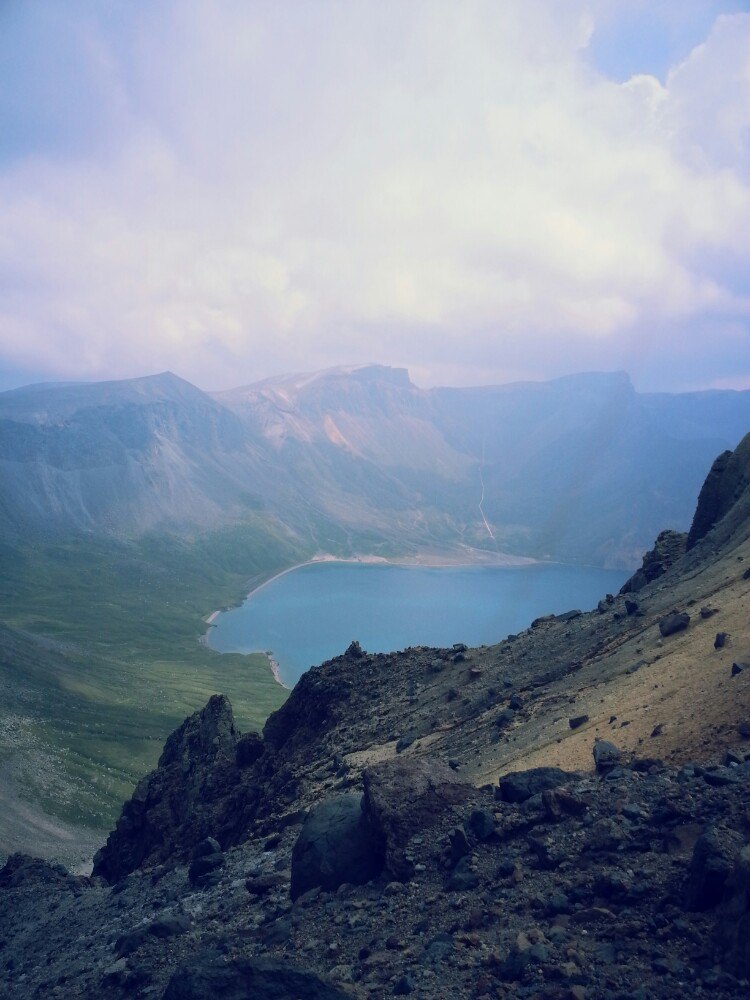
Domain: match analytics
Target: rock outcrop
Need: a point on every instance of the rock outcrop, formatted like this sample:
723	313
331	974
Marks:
728	479
518	786
668	548
174	807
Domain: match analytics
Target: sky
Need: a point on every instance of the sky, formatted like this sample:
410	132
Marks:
480	191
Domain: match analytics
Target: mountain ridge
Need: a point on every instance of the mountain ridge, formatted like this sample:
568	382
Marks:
348	456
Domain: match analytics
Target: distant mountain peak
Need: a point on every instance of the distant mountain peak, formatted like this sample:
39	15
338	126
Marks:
291	385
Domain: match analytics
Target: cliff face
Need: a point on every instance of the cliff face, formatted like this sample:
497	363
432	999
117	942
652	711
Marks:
724	487
442	822
668	548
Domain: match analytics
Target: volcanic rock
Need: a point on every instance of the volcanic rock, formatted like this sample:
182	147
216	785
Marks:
678	621
172	809
518	786
335	845
403	797
208	974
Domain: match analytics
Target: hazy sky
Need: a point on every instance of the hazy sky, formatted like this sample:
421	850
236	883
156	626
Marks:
479	191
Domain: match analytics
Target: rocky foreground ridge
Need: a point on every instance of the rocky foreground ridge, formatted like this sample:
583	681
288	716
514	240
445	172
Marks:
564	814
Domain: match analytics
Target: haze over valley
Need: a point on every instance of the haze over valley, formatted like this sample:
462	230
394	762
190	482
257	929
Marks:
375	500
132	510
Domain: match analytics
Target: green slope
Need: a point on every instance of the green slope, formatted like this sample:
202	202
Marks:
100	658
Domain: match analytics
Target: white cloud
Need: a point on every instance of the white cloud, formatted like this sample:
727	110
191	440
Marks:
277	187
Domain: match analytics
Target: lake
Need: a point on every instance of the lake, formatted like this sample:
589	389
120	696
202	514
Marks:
312	613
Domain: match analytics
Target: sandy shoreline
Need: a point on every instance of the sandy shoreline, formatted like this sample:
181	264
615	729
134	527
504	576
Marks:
437	560
275	671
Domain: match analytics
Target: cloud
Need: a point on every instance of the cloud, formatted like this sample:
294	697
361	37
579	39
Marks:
245	189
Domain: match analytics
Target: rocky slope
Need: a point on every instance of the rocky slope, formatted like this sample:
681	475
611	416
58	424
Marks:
564	814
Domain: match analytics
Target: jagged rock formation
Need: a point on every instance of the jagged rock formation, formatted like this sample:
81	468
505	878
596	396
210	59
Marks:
724	485
172	809
512	854
668	548
590	884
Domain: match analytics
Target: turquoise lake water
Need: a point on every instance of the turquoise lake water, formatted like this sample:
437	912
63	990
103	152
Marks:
312	613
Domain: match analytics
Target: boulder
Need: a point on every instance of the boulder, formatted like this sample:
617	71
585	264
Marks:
678	621
174	808
205	863
405	796
568	616
335	846
714	856
518	786
209	974
733	923
606	756
262	885
577	720
482	824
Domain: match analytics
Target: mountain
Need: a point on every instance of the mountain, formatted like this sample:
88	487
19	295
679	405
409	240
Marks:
358	459
120	458
563	814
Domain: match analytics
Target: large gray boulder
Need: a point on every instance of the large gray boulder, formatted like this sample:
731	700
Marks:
714	856
335	845
518	786
403	797
677	621
606	756
734	916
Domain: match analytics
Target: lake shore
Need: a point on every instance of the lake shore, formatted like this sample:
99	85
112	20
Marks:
436	560
275	670
453	559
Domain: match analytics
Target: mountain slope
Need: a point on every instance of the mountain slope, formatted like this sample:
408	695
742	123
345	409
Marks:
360	460
120	458
366	836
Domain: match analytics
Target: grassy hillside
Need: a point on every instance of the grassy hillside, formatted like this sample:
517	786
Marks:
100	659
